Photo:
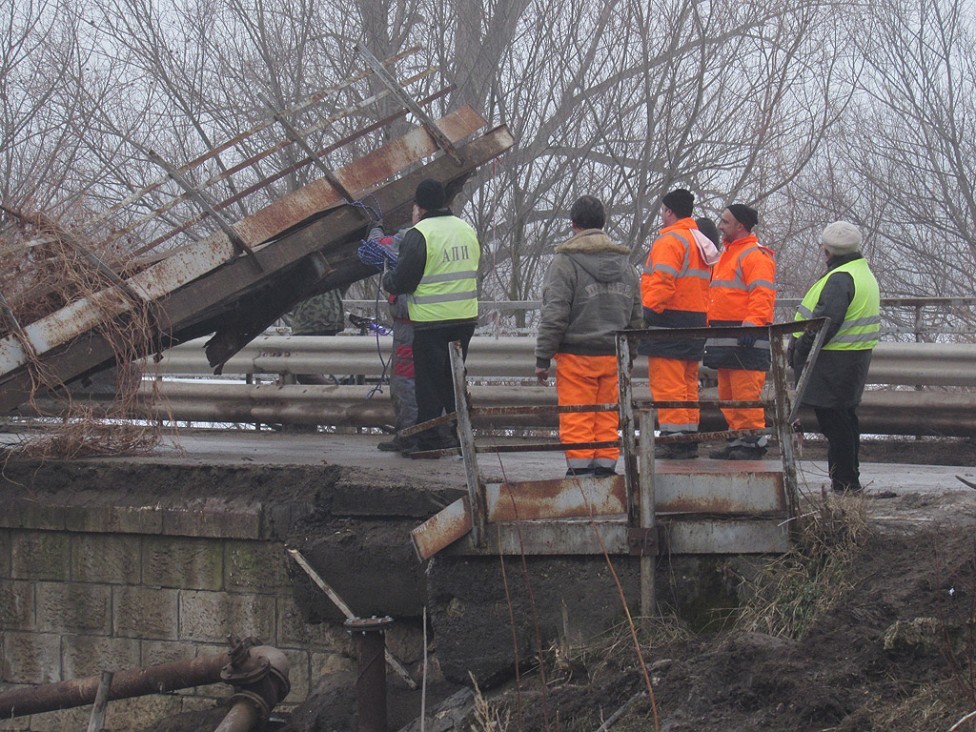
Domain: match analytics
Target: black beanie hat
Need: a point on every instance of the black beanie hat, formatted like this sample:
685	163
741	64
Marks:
681	201
745	215
430	195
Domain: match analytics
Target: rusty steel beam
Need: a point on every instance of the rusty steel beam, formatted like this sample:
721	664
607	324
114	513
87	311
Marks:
240	137
743	535
196	260
681	490
188	302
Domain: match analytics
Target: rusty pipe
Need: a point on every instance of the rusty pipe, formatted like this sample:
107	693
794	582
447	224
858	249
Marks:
369	635
259	673
134	682
242	717
260	678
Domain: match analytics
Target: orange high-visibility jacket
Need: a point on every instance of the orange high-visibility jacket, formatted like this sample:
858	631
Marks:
743	289
675	276
674	290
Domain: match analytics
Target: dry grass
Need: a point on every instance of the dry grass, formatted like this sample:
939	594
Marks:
488	717
790	592
45	268
931	706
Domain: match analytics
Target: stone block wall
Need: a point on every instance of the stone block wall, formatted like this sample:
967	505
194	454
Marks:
87	586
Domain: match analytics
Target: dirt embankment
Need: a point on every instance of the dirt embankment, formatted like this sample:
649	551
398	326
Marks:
895	652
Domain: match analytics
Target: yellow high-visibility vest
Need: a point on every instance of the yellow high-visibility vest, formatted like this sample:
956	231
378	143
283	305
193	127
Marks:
862	321
449	288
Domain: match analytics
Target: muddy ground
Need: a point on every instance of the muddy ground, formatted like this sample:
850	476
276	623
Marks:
895	652
893	647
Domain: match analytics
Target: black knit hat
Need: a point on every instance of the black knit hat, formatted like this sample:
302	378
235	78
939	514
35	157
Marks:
680	200
430	195
745	215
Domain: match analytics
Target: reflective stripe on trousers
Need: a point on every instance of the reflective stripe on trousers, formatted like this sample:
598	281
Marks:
587	380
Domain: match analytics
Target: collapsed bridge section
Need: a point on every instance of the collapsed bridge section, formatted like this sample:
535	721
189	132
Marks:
228	242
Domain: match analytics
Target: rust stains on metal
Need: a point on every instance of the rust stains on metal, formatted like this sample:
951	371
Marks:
442	529
549	499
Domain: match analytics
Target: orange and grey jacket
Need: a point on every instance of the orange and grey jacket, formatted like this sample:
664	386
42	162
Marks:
674	291
742	292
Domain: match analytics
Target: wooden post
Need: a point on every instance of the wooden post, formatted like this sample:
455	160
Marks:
96	723
648	520
476	489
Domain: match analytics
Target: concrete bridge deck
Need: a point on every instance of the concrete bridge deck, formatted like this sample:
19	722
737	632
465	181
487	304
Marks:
272	448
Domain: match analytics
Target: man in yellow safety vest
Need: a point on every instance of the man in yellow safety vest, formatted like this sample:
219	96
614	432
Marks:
438	272
848	294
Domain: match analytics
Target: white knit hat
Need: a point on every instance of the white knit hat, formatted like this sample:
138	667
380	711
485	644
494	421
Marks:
841	237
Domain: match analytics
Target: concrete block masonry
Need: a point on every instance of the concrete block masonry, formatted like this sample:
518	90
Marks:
119	564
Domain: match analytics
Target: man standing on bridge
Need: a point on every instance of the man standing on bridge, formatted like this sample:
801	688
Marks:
674	293
848	294
742	292
438	271
590	291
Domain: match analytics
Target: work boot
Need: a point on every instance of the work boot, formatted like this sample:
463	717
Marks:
395	445
721	454
579	472
676	451
746	452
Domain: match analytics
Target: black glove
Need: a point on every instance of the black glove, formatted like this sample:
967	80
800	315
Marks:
747	341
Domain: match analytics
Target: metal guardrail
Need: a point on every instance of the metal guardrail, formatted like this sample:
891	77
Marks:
511	357
501	372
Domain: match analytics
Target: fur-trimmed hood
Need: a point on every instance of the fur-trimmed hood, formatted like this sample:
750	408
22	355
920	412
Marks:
591	241
596	253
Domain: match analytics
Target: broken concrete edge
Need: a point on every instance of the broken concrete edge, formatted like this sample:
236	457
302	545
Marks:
262	502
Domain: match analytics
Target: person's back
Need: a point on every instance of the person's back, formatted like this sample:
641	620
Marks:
848	294
593	274
437	271
590	292
674	294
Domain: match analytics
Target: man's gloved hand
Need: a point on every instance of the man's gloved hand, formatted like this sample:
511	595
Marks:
747	341
375	254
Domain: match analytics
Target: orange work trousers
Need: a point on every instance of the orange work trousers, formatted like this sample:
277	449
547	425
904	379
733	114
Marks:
739	385
587	380
675	381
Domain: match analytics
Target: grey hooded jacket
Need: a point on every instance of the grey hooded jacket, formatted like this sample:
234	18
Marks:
590	291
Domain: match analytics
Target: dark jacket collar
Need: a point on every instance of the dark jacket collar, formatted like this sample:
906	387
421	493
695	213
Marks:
837	260
436	212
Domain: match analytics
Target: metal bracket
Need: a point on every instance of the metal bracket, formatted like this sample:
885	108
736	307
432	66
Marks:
443	142
197	195
643	542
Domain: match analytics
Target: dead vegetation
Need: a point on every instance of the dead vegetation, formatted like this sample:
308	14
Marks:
790	592
47	268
